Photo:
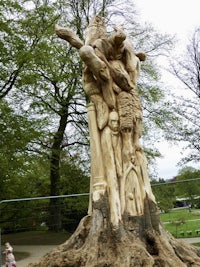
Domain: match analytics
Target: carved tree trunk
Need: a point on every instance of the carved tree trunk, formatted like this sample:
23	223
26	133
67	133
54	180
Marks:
122	228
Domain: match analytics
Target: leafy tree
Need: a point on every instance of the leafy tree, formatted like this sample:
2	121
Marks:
39	87
41	80
22	173
187	70
190	188
164	194
16	134
73	181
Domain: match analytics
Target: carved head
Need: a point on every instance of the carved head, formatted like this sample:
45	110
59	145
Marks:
120	34
113	121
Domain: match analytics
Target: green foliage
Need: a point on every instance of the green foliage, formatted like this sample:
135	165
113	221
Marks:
164	194
185	189
16	135
189	189
73	178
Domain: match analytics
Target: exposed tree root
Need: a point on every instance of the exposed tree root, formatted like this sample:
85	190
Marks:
95	244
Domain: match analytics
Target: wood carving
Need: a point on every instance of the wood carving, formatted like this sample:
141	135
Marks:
122	228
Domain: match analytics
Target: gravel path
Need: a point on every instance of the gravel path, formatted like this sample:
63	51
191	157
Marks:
191	240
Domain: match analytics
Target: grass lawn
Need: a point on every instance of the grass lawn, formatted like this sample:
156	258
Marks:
182	223
177	214
196	244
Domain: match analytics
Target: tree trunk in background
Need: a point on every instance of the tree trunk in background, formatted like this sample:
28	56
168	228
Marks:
54	220
123	227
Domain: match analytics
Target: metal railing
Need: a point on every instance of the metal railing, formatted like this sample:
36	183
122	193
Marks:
34	211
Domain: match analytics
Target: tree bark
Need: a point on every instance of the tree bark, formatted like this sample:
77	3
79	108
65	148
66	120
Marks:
139	241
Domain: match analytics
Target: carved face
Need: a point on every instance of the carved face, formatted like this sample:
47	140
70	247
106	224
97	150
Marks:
113	121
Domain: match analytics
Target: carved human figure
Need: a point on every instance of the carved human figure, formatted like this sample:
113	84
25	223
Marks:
111	150
132	191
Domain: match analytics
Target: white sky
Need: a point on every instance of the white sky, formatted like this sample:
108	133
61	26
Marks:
178	17
171	16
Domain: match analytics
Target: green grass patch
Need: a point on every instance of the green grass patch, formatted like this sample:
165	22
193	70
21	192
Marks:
177	214
196	244
182	223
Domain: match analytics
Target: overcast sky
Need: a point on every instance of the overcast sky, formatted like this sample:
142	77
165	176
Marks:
178	17
171	16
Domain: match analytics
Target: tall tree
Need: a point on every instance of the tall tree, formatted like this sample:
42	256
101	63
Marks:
17	133
187	108
41	85
164	194
45	81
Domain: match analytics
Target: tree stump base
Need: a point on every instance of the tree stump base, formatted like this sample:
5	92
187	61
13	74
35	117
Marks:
140	241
